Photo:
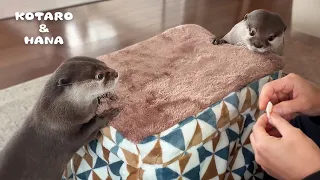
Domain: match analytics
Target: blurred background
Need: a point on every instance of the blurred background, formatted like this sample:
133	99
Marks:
100	27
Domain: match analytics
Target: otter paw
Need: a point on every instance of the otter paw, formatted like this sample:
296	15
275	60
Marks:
93	106
217	41
112	96
109	114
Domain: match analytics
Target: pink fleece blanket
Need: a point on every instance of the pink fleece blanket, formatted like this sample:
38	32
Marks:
176	75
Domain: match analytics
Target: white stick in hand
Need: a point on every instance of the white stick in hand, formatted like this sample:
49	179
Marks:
269	109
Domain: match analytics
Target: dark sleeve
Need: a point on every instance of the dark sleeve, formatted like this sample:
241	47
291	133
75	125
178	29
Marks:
316	120
314	176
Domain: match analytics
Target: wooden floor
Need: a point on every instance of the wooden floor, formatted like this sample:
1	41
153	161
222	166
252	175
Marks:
104	27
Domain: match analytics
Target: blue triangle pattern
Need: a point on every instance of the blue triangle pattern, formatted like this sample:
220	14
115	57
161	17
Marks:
148	139
203	153
255	86
274	75
240	171
251	167
209	117
232	135
186	121
248	155
223	153
119	138
232	99
166	173
85	175
176	139
247	121
100	163
93	145
114	150
193	174
115	167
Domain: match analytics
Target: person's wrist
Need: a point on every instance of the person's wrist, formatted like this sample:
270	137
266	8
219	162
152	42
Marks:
312	168
317	101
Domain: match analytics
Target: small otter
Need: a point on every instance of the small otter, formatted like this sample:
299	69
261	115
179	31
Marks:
62	121
260	31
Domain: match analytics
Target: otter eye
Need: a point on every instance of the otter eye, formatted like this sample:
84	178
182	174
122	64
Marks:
99	76
271	38
252	33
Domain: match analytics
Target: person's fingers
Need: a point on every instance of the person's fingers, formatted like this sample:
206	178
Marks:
259	129
274	132
274	99
253	143
287	107
282	125
282	96
269	127
273	87
287	117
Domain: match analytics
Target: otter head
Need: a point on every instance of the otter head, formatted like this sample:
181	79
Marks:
265	31
84	79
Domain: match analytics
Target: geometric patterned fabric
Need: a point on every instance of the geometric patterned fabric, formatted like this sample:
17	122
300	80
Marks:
213	144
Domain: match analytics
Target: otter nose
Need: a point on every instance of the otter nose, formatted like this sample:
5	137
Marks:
258	44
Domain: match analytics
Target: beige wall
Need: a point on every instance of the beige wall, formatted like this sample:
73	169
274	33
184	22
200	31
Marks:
306	16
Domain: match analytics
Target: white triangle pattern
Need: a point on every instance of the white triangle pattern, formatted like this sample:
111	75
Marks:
206	129
84	166
113	158
146	148
102	172
208	146
239	162
253	96
235	176
233	111
175	167
171	151
223	141
188	132
246	133
242	97
193	162
123	171
204	166
129	146
221	164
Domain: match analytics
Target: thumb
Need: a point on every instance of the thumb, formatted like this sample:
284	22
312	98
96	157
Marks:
287	107
282	125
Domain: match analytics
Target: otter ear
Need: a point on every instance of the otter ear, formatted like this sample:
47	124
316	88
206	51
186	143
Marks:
285	28
64	81
245	17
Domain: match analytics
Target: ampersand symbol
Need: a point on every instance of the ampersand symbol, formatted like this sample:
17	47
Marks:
43	28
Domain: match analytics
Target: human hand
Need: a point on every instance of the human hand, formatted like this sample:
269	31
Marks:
291	94
293	156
